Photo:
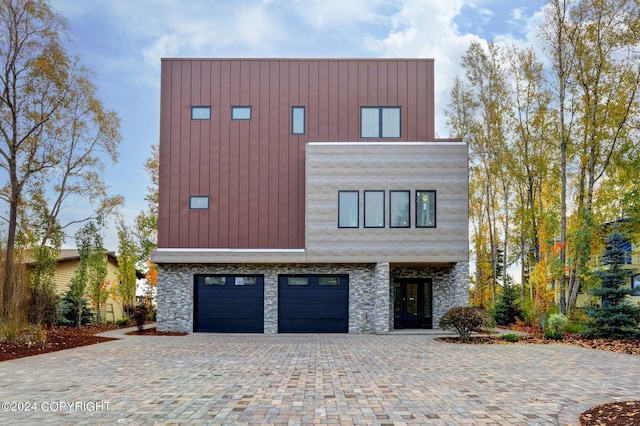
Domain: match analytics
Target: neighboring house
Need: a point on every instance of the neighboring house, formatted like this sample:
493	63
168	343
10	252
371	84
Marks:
66	267
633	268
307	195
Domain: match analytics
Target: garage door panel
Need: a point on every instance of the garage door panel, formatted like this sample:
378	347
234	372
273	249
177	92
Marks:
224	307
309	307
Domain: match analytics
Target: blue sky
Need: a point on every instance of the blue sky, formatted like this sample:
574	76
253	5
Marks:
123	41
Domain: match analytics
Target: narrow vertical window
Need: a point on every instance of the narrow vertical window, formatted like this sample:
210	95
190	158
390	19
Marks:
374	209
390	122
241	113
399	209
201	113
370	122
425	209
297	120
348	213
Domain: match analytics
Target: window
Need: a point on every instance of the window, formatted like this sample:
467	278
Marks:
374	209
425	209
348	212
199	202
245	280
201	113
219	280
635	281
297	120
241	113
297	280
399	209
329	281
380	122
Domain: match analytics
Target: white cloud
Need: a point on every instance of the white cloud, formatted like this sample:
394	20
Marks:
337	13
166	46
426	29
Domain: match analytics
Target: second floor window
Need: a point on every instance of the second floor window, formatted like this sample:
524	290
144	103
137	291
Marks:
200	112
380	122
348	212
241	113
297	120
374	209
425	209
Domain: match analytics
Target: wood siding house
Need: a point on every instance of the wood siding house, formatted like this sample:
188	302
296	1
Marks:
66	267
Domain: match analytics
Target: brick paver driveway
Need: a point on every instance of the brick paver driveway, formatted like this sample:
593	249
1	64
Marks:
312	379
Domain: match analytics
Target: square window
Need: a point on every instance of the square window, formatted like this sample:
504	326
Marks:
297	120
201	113
241	113
399	213
425	209
374	209
199	202
380	122
348	213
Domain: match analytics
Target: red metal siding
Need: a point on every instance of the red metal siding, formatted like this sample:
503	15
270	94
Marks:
253	170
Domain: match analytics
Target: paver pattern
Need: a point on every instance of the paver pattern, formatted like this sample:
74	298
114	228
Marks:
313	379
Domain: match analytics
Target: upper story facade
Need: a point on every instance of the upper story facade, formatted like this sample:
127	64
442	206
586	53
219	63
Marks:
307	160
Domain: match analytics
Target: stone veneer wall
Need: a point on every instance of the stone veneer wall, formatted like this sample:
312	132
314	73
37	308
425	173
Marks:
371	291
176	289
450	287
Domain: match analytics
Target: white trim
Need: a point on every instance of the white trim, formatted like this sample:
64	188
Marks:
446	143
226	250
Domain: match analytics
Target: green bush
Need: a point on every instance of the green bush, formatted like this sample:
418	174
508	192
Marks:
122	322
616	317
510	337
556	325
465	320
577	321
19	332
552	335
507	309
68	311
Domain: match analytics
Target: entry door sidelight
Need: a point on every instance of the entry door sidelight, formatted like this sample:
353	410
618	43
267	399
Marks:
413	303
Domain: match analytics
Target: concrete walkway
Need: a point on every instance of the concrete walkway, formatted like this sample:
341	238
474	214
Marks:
312	379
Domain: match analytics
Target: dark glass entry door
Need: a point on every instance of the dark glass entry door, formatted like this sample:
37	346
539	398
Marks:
413	303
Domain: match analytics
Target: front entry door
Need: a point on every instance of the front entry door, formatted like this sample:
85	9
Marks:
413	303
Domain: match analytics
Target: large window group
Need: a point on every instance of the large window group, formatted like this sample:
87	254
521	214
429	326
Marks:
399	209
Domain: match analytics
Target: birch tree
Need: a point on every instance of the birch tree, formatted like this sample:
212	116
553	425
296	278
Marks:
51	128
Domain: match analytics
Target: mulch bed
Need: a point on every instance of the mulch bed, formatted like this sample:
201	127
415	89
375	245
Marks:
58	338
153	332
625	413
628	346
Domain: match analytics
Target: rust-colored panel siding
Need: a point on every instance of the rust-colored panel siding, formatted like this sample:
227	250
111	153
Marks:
254	170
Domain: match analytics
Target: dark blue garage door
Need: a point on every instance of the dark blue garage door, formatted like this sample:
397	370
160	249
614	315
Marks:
313	304
229	304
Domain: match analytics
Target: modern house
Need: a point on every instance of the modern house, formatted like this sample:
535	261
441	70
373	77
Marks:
307	195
